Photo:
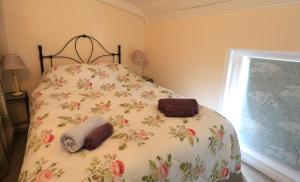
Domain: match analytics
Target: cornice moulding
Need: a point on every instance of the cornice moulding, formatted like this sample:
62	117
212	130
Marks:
197	10
126	7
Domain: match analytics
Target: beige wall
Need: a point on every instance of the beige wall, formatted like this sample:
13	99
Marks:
189	55
3	44
52	22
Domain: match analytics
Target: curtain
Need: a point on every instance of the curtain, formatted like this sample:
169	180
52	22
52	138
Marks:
6	136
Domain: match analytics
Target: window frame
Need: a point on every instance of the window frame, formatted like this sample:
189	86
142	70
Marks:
274	170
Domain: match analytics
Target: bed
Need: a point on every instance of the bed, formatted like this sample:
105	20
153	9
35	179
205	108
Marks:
145	145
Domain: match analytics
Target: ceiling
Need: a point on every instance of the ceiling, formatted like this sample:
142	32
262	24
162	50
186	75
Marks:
156	9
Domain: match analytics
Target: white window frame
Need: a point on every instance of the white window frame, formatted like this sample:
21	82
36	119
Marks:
275	170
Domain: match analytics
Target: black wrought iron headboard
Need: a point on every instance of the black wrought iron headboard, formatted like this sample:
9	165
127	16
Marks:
79	59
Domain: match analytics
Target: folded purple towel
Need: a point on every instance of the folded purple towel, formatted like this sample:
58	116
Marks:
178	102
178	111
97	136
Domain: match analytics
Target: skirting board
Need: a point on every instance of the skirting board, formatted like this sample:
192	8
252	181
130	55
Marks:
273	170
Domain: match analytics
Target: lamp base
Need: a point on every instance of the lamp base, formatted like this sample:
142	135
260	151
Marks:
17	93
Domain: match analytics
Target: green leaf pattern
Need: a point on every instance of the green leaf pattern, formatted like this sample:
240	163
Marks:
77	119
73	69
71	105
160	169
216	140
220	170
118	121
153	121
61	96
84	84
43	171
102	107
192	172
133	105
140	137
107	169
90	95
56	83
70	95
148	95
183	133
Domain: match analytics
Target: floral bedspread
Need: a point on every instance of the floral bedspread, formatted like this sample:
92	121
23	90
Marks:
145	145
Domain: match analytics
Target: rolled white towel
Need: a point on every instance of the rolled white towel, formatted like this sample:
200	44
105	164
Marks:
73	140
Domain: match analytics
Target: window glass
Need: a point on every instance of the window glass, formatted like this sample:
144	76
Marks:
270	115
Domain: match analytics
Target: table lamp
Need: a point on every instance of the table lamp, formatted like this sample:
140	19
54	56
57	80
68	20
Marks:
13	62
139	58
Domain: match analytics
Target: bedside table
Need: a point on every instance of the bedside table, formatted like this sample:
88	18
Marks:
15	111
148	79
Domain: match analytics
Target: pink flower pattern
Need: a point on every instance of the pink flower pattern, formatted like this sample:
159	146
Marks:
117	168
129	95
39	120
107	169
56	83
140	137
73	69
71	105
45	175
91	95
84	84
47	137
216	140
160	170
42	172
182	132
190	132
102	107
60	96
77	119
148	95
118	121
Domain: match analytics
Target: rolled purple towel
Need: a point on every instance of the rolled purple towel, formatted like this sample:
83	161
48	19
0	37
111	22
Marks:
178	102
97	136
178	111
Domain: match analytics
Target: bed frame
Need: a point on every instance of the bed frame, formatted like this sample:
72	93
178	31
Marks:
79	58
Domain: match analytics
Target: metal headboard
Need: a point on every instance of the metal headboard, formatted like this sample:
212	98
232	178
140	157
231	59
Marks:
79	59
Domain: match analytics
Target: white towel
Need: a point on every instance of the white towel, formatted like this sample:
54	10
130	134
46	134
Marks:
73	140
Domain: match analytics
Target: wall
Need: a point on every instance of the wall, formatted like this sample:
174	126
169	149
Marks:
52	23
189	55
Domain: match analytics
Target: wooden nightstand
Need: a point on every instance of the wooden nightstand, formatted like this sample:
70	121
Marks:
148	79
15	111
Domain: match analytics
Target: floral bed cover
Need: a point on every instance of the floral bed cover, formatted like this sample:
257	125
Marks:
145	145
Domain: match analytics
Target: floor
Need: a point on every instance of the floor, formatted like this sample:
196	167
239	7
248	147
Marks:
248	174
16	157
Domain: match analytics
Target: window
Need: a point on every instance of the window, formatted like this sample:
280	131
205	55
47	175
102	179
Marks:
262	100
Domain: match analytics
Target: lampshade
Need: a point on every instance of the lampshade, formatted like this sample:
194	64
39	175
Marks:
12	62
139	57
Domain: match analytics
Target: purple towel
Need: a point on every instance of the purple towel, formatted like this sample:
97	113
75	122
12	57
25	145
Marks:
97	136
178	111
178	102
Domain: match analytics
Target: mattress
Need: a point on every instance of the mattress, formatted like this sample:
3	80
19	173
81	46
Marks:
145	145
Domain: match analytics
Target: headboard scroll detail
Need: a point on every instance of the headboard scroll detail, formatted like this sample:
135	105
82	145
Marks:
79	59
